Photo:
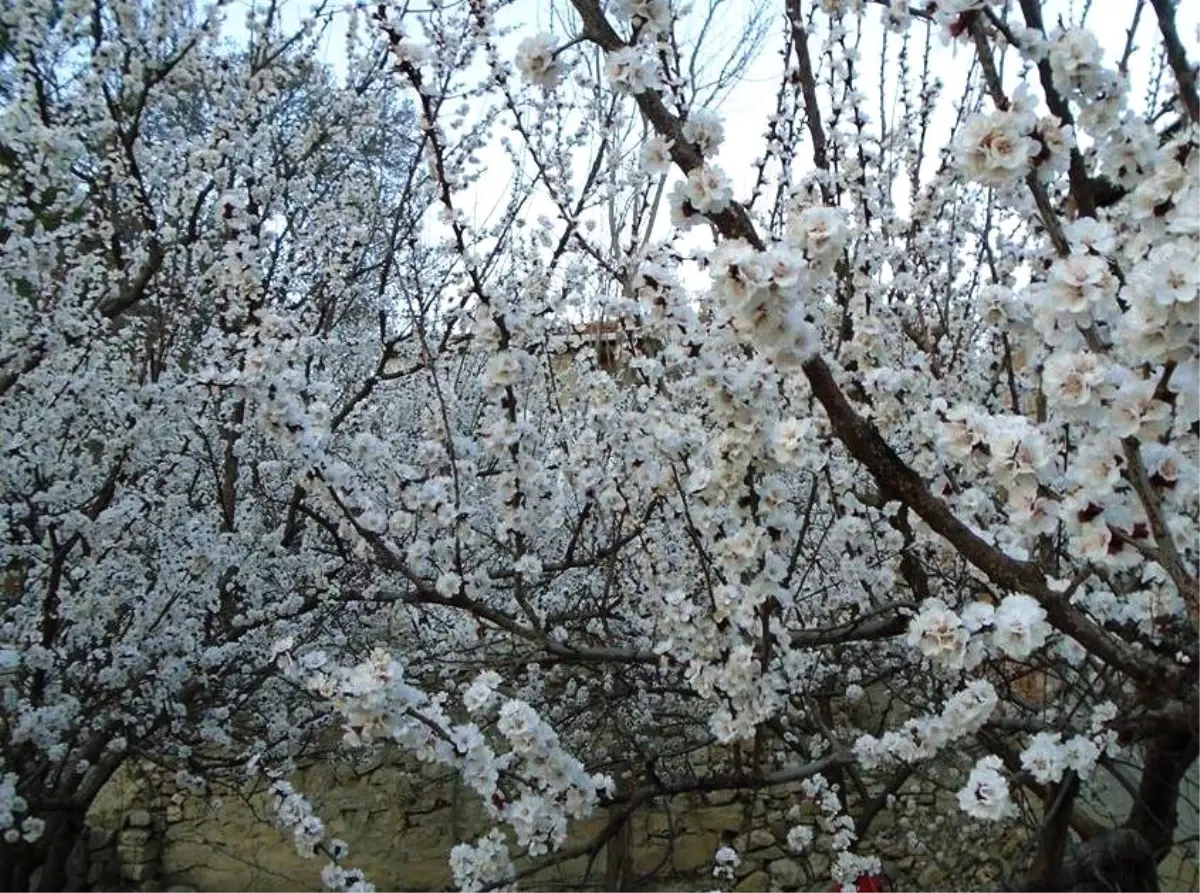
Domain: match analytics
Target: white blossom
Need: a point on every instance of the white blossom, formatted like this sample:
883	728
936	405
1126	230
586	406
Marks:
1075	58
821	233
996	149
800	838
1019	626
656	155
703	129
537	62
389	399
1045	757
631	72
653	15
1080	282
708	189
1072	378
985	795
481	694
938	633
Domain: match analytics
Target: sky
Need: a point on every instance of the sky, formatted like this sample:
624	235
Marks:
747	106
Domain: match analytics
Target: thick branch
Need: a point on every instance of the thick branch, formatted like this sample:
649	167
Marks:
864	442
1184	75
1115	860
808	88
1154	813
897	481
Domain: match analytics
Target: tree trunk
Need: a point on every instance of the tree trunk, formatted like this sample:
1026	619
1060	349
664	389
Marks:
1127	858
17	862
47	864
1119	862
618	858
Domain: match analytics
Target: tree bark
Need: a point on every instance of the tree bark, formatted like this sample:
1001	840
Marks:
46	864
1116	860
1168	758
618	858
1127	858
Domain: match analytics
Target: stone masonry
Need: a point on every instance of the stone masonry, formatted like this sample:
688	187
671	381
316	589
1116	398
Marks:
402	819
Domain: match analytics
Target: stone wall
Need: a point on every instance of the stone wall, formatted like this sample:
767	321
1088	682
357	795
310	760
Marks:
401	820
125	856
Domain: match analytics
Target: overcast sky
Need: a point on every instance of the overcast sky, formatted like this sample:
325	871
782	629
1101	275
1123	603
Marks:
746	108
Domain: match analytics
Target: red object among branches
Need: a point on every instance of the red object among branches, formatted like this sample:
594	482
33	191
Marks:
866	883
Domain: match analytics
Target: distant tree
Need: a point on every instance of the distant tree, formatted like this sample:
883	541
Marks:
195	245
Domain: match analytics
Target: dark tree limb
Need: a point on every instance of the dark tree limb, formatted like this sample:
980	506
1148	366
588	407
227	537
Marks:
1177	58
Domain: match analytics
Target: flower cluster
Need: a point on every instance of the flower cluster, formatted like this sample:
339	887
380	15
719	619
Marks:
764	291
800	838
1018	628
998	149
921	738
939	634
293	811
651	16
30	827
538	62
1076	64
656	155
631	71
704	130
706	189
821	234
985	795
376	702
1047	757
568	455
839	825
725	862
483	864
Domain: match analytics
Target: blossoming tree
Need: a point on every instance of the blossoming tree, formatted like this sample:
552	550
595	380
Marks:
896	419
198	247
